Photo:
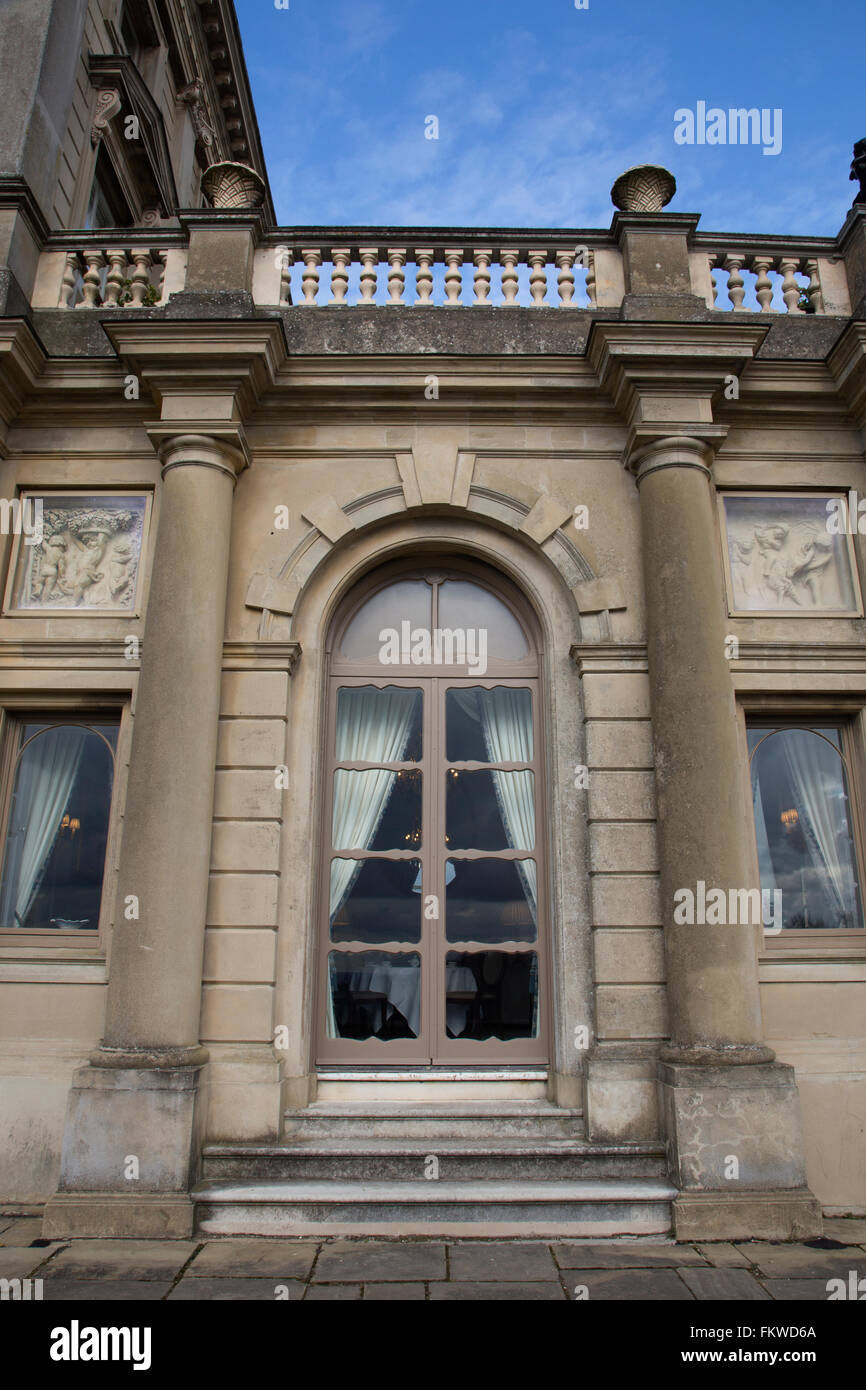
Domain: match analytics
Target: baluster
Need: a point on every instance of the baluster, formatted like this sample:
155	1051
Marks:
482	261
140	277
310	279
510	278
424	276
565	278
115	277
340	276
813	290
713	261
791	290
763	284
67	284
159	260
591	292
396	276
453	277
537	277
287	258
92	285
369	256
736	284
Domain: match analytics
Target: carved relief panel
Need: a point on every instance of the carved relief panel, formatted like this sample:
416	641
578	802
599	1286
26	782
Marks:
78	553
785	553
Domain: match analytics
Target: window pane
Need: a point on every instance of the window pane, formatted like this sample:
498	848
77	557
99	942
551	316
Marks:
54	855
375	900
491	994
489	726
490	810
465	605
490	900
377	810
803	827
374	994
378	724
408	600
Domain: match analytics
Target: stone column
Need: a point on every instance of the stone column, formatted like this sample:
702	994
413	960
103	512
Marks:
731	1116
141	1096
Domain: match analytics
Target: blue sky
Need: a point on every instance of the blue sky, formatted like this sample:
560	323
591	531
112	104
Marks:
540	107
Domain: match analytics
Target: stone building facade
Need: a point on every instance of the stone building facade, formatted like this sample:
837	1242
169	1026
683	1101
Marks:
433	689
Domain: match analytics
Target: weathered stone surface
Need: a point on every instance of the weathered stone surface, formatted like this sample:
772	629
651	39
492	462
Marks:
501	1262
381	1293
722	1284
283	1259
801	1262
108	1259
105	1290
236	1291
500	1293
380	1262
332	1293
662	1285
625	1255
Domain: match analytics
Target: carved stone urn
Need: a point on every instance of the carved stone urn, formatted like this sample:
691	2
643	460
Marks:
230	185
645	188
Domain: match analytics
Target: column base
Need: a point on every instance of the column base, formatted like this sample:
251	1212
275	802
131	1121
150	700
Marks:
148	1216
131	1151
699	1216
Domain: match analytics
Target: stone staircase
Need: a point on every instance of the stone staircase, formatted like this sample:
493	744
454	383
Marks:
505	1168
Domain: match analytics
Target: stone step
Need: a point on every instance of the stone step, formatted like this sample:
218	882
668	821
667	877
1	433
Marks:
525	1208
475	1119
407	1160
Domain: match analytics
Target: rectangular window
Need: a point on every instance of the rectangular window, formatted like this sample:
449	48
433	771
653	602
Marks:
805	823
56	813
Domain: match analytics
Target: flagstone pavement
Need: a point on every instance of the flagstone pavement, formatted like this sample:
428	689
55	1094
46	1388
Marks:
337	1268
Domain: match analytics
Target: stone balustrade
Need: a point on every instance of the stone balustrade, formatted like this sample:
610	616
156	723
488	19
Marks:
767	275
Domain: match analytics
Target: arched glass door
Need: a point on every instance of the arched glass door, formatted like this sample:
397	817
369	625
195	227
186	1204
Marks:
433	905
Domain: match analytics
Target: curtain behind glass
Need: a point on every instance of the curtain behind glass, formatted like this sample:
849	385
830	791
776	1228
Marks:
46	773
817	780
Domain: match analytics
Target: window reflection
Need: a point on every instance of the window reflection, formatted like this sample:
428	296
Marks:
374	994
492	994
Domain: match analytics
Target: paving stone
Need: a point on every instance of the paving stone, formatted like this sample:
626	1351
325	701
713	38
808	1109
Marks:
378	1261
105	1290
851	1230
394	1292
797	1290
481	1293
502	1262
637	1284
122	1259
18	1263
802	1262
22	1230
722	1283
626	1255
722	1254
321	1293
236	1290
249	1258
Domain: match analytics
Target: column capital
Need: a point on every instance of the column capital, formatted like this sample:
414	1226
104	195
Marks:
223	448
650	450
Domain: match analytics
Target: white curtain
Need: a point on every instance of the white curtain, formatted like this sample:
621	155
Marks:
373	726
505	713
46	772
765	858
815	770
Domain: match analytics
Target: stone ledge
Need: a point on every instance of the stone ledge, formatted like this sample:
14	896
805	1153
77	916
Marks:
782	1215
108	1215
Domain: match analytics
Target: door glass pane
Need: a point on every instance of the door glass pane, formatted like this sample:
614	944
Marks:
378	724
374	994
491	994
54	856
803	828
489	726
383	805
375	900
410	600
489	810
468	606
490	900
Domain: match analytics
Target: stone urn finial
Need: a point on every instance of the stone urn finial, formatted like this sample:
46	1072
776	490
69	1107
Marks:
645	188
230	185
858	170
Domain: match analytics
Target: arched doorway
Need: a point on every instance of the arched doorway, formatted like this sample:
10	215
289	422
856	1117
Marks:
433	933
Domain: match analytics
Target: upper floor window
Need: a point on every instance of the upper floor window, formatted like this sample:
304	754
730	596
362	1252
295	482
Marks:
805	823
57	804
107	206
129	33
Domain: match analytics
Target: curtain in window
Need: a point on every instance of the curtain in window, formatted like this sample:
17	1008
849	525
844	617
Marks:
373	726
765	858
817	783
46	773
